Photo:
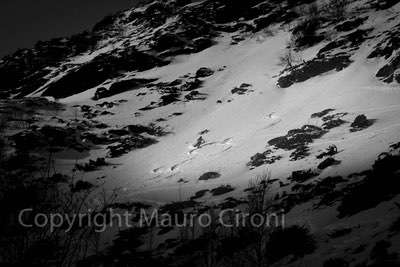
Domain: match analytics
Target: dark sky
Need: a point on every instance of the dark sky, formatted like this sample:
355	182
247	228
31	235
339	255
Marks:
24	22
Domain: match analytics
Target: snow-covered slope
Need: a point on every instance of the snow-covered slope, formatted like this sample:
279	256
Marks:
227	120
240	126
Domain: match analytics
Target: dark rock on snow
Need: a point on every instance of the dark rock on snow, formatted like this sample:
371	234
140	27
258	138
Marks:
209	176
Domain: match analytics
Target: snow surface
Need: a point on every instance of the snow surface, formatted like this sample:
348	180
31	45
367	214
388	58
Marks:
242	127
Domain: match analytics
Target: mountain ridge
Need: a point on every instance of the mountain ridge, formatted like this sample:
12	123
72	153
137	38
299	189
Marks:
180	104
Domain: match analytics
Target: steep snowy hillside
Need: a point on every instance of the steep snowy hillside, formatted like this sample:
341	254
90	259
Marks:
181	98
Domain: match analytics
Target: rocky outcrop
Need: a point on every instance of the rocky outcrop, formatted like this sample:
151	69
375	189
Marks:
389	49
389	72
327	59
350	24
314	67
120	87
100	69
297	137
361	122
204	72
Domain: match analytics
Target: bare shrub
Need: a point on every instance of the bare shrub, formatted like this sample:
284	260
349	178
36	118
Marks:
28	182
258	191
287	59
305	33
258	204
290	58
41	246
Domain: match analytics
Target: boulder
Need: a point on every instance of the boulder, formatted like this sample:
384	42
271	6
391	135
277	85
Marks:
209	176
361	122
204	72
202	43
327	163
